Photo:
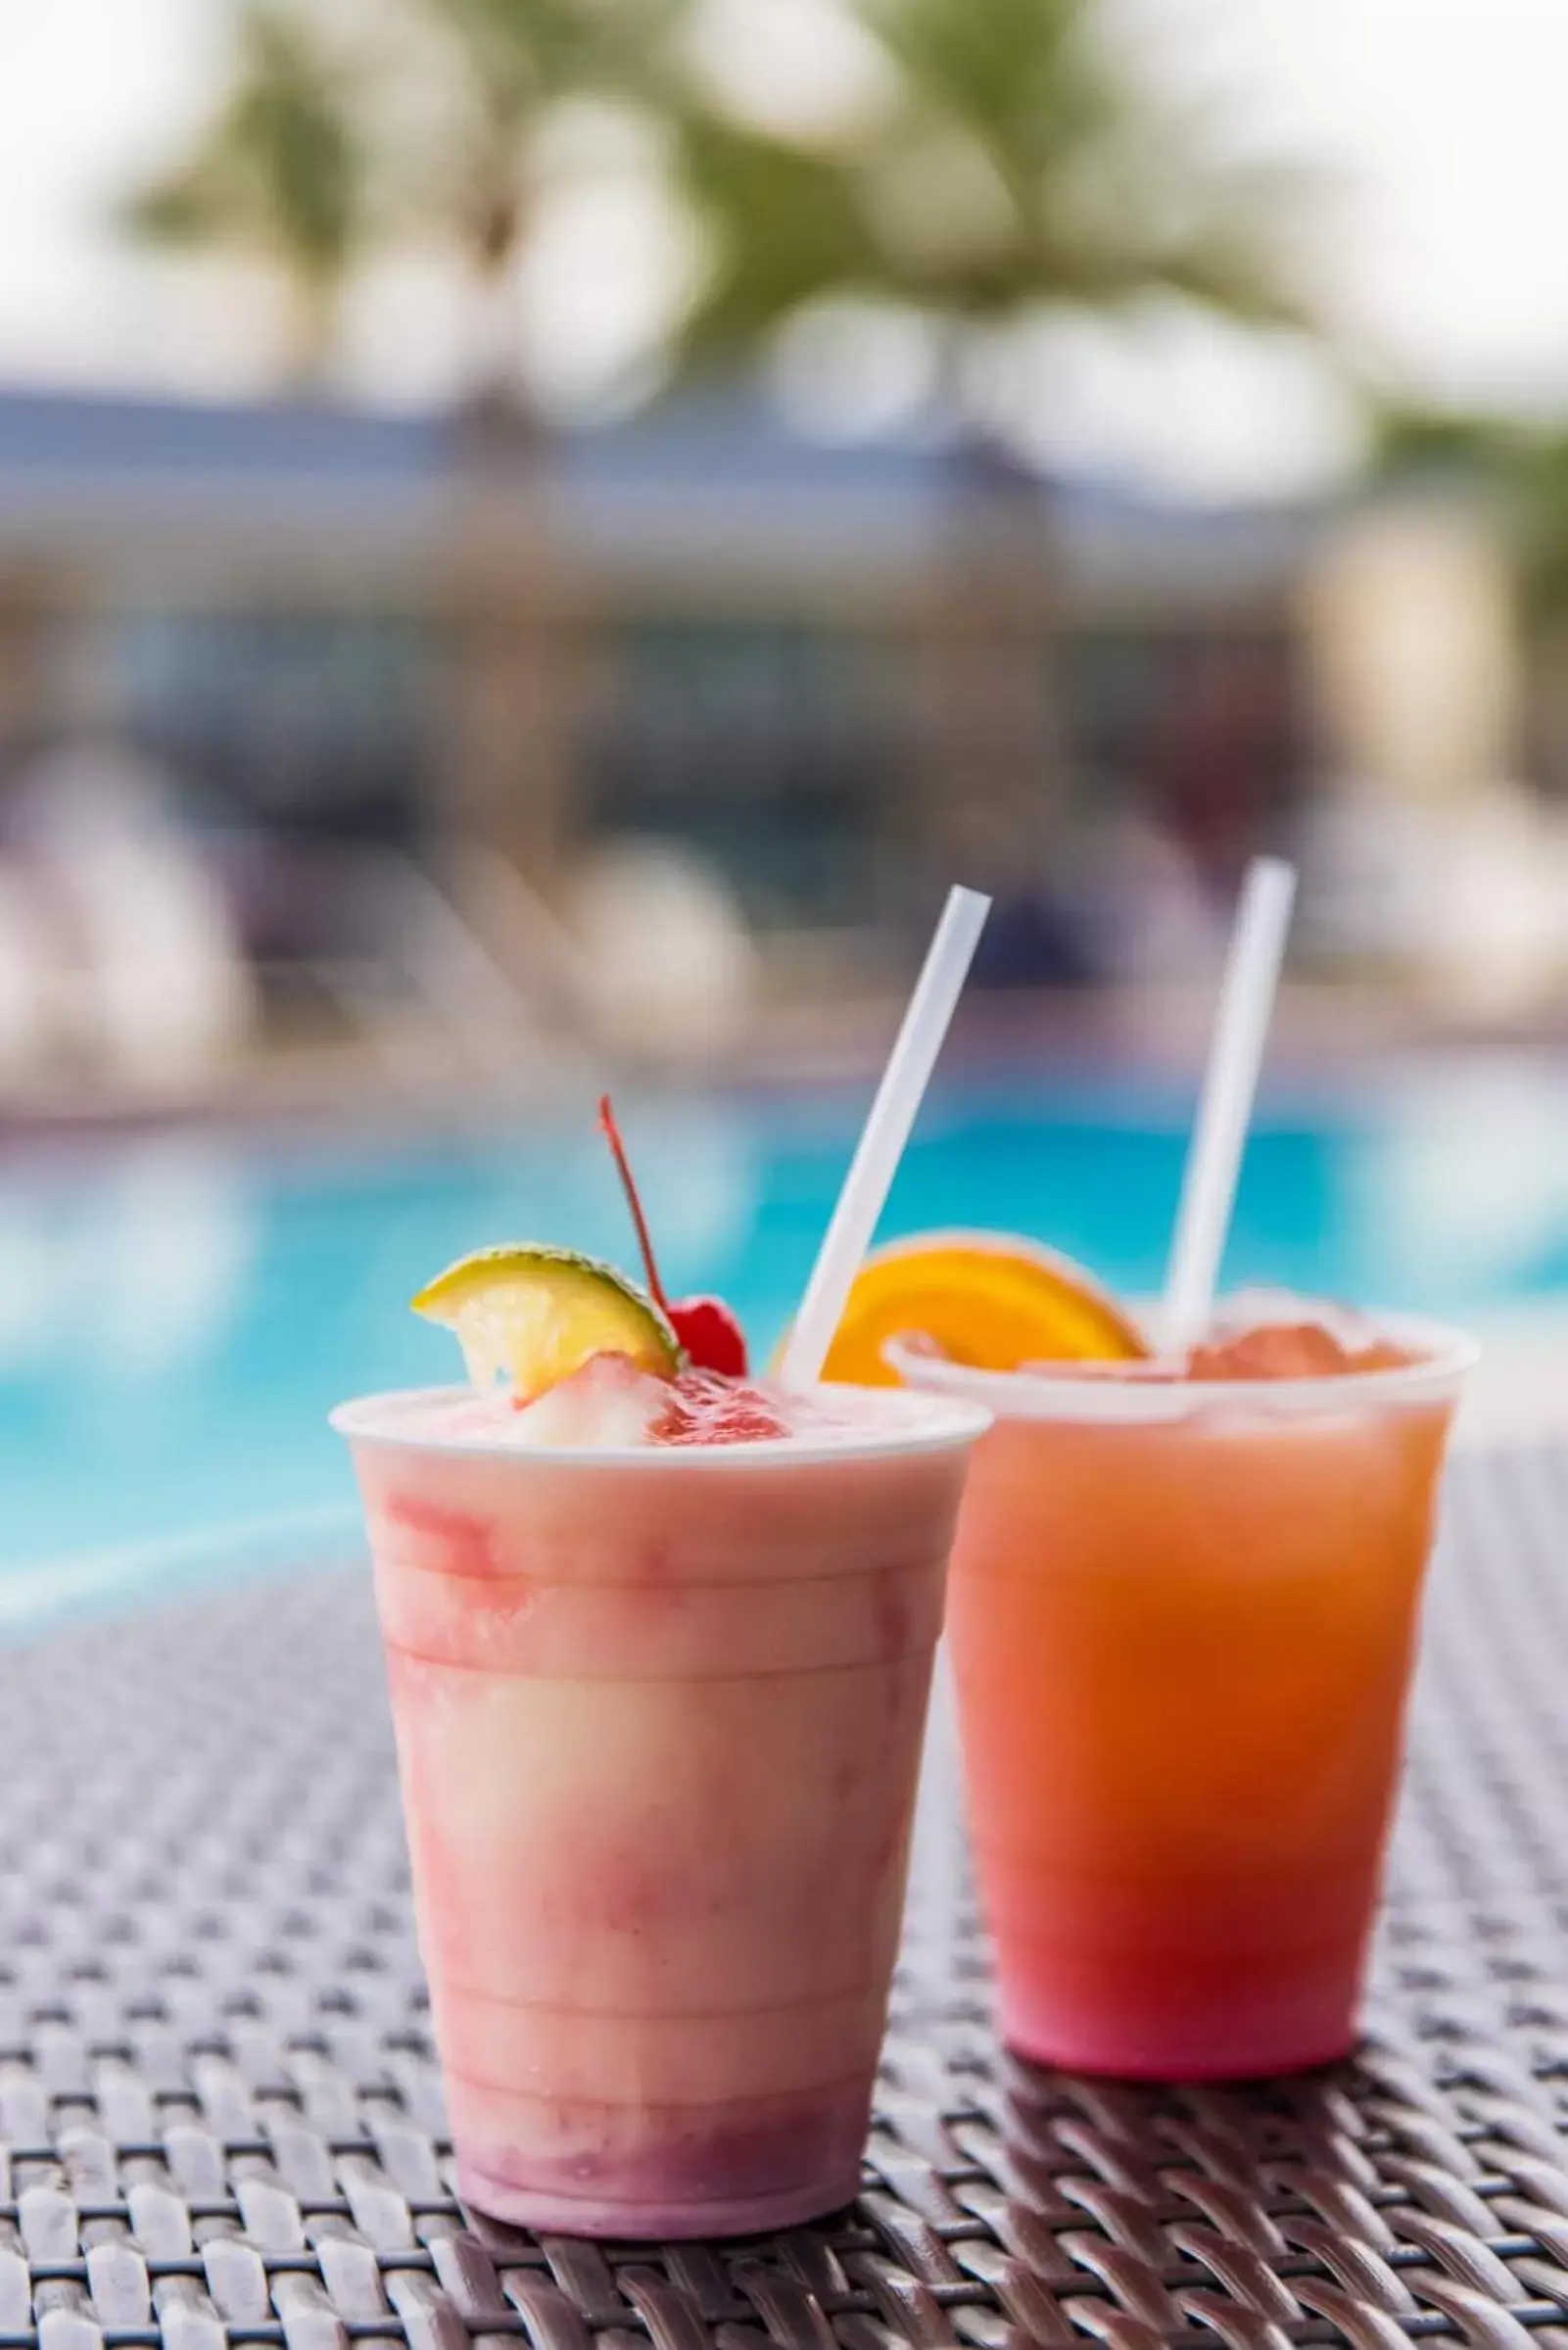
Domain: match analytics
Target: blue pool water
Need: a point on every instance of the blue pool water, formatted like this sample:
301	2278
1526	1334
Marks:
177	1316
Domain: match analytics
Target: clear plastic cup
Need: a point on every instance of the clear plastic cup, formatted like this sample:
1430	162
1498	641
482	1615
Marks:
1182	1618
658	1716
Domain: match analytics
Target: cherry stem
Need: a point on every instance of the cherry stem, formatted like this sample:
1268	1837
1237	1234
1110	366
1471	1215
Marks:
612	1135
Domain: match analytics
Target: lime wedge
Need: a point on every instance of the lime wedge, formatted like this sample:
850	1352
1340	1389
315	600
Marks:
531	1317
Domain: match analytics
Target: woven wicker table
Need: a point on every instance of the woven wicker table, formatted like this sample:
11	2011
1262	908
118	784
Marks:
221	2116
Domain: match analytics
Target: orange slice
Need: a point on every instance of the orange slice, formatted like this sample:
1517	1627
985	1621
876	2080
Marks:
991	1300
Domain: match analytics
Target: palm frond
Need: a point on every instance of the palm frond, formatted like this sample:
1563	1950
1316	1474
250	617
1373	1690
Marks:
1016	167
280	167
784	226
193	205
527	54
1020	76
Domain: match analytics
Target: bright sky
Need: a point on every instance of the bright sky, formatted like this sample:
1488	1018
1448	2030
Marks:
1446	119
1447	254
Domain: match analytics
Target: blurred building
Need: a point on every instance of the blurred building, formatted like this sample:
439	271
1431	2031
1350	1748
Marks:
836	673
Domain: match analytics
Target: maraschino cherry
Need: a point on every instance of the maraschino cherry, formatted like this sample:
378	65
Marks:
709	1333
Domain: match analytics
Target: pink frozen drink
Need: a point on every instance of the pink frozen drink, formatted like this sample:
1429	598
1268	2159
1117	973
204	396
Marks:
658	1709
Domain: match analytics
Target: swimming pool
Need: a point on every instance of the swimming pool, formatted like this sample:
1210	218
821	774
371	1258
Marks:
178	1315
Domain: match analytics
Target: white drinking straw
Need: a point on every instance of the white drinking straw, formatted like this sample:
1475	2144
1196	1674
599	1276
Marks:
887	1129
1225	1107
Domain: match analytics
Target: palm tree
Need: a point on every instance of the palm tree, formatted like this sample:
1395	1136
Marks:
1010	166
280	173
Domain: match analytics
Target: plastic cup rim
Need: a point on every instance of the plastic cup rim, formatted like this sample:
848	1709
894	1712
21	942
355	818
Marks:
957	1423
1448	1354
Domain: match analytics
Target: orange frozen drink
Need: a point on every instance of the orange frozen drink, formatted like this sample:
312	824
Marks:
1183	1613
